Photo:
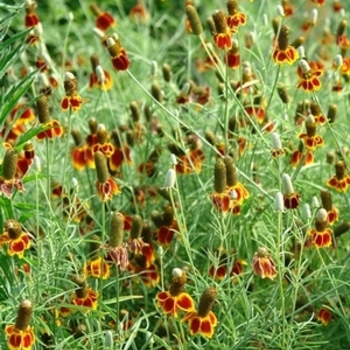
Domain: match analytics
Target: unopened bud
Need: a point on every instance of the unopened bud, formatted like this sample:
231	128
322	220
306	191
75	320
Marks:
306	211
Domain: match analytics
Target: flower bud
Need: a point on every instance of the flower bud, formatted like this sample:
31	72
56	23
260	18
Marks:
170	180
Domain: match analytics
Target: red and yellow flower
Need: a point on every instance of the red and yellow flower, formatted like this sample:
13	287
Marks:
283	52
222	36
20	336
263	264
104	20
31	18
71	100
120	60
85	296
324	315
175	298
203	321
340	181
17	240
235	17
97	268
310	138
309	77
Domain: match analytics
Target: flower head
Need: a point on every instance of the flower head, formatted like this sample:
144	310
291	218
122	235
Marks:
310	138
204	320
104	20
220	198
105	185
84	296
72	100
263	265
9	180
309	78
17	240
31	18
321	235
340	181
283	52
222	35
99	77
235	17
291	198
20	336
324	315
175	298
120	60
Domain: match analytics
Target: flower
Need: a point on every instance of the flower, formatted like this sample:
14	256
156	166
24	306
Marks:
310	138
284	53
20	336
204	320
291	198
31	18
99	77
175	298
321	235
319	2
97	268
52	126
324	315
232	58
121	153
71	99
222	36
333	212
120	60
277	150
309	80
17	240
220	198
9	180
103	145
167	226
105	185
135	242
104	20
235	18
139	14
263	265
116	249
84	296
340	181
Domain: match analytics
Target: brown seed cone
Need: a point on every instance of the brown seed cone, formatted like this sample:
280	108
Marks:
42	108
148	113
210	137
232	7
283	38
135	111
9	164
211	25
220	21
339	169
146	233
102	136
231	172
71	87
136	227
95	9
117	230
168	215
78	138
310	128
282	93
332	113
101	167
115	136
24	313
315	108
166	71
173	148
321	225
80	281
342	27
114	49
95	245
178	284
220	180
130	138
275	24
157	92
194	20
157	218
298	42
94	61
207	301
342	228
93	125
13	228
326	198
